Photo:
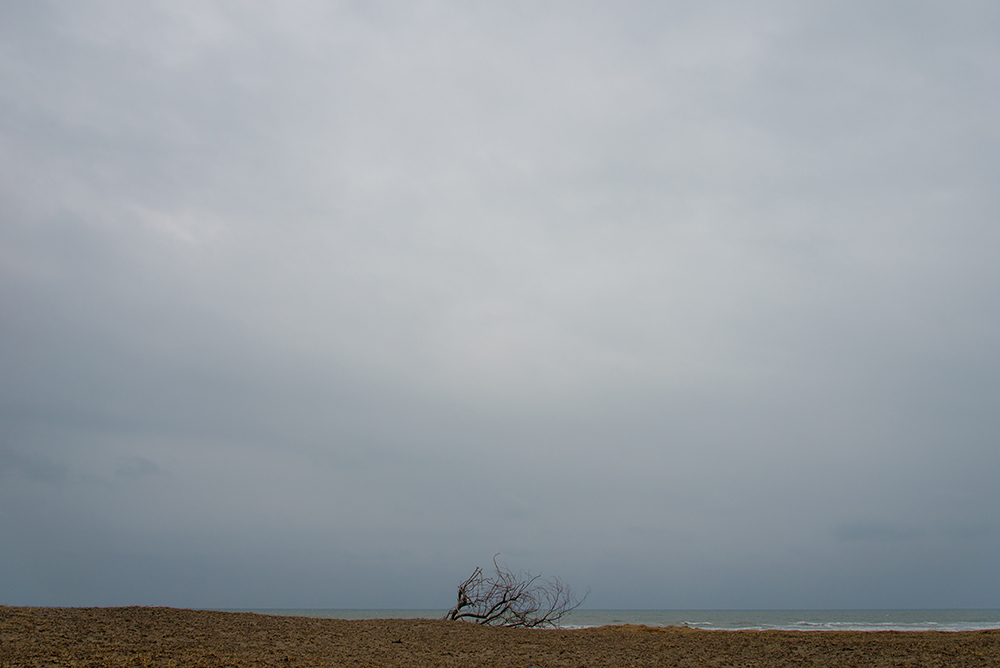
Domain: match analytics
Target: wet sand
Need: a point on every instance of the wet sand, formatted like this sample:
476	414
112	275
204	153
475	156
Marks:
170	637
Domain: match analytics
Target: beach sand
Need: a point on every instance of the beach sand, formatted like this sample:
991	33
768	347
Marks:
141	636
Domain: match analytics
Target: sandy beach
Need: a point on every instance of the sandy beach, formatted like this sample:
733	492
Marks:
140	636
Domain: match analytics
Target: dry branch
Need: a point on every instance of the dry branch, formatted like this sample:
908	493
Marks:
513	599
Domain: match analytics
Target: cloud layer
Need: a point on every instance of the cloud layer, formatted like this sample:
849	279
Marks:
322	305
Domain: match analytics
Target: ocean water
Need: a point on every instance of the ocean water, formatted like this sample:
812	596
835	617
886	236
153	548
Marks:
792	620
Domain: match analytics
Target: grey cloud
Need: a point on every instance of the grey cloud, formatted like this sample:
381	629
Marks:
32	466
137	467
323	305
876	531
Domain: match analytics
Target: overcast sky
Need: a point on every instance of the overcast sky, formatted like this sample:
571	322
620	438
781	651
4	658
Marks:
695	305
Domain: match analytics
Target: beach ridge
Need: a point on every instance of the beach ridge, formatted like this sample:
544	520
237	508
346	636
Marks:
156	636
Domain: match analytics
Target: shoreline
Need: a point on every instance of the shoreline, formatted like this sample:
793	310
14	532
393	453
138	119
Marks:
749	620
149	636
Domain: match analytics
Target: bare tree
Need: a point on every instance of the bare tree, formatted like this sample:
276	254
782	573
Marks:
513	599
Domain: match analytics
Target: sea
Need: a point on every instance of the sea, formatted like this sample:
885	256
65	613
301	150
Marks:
731	620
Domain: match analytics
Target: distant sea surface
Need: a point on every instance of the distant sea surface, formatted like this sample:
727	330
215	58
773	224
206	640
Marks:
790	620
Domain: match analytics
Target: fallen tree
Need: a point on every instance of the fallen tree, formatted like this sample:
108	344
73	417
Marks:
505	598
